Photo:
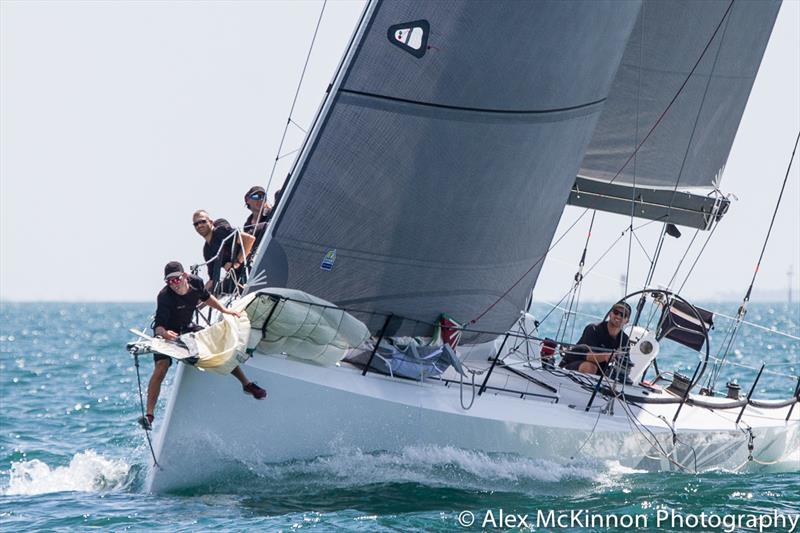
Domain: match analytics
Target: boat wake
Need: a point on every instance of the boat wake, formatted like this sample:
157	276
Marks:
86	472
428	466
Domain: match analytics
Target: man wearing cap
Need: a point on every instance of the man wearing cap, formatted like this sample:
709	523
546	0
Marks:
596	347
222	249
260	213
176	304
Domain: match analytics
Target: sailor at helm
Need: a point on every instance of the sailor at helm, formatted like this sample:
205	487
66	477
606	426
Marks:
596	347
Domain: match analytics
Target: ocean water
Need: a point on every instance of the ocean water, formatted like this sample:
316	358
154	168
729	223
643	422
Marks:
72	457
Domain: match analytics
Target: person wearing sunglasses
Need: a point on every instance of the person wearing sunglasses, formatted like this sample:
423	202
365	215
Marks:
260	213
598	343
175	306
222	249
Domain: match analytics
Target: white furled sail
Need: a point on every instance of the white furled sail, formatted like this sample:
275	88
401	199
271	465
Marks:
690	142
441	161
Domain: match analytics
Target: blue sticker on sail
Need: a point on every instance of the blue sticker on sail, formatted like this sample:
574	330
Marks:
328	260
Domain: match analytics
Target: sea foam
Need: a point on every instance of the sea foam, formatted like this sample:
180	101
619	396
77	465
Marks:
87	472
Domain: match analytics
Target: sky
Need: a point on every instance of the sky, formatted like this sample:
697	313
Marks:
120	119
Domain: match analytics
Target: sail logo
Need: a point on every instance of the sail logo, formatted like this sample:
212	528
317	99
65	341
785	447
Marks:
328	260
410	36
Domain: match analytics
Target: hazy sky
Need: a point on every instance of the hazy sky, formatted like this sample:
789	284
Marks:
119	119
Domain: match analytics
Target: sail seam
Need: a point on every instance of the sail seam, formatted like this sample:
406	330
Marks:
474	109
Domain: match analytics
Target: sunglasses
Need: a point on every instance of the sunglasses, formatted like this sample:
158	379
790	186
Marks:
256	196
199	223
174	281
617	312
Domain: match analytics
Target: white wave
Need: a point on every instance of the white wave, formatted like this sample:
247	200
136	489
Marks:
86	472
438	466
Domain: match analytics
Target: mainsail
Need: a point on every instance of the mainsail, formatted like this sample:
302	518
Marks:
441	161
690	144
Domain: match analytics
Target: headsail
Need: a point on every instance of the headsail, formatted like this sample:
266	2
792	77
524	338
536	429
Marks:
441	162
690	145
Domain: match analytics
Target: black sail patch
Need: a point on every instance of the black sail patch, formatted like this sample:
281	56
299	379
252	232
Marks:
410	36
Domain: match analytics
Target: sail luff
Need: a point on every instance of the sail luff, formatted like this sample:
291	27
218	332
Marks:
314	131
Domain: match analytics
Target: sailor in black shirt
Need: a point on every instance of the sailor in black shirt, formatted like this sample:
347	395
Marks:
260	213
596	347
176	304
223	245
175	311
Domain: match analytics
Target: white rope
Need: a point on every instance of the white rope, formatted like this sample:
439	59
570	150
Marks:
766	371
759	326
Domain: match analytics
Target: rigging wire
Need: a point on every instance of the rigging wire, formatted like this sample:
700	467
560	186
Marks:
602	256
683	258
674	98
575	290
696	259
290	120
141	405
539	260
631	157
743	308
700	109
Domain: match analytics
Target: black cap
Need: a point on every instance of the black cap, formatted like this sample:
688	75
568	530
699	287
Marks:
255	189
173	269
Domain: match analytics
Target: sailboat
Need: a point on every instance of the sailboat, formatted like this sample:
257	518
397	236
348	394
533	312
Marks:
420	209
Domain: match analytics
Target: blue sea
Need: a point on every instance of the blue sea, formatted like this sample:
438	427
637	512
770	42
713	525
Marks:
72	457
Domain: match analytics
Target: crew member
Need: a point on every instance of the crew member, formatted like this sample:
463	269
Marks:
260	213
176	304
222	249
596	347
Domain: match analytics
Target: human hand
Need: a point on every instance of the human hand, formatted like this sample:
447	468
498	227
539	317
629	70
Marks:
170	335
237	314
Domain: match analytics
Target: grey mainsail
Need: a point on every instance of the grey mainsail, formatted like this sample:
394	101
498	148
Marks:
437	171
690	145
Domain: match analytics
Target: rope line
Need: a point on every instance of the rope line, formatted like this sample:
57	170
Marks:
290	120
674	98
541	258
141	405
743	308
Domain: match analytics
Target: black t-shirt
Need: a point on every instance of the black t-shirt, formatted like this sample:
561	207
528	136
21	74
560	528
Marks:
175	311
597	337
211	248
257	230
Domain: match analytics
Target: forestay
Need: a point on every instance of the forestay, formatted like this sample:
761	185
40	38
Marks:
690	145
442	159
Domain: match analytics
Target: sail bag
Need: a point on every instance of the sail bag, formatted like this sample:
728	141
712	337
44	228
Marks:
292	322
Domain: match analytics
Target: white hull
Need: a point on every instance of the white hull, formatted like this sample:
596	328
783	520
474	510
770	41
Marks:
209	424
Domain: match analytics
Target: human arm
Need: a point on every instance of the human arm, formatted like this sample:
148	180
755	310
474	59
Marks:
247	242
212	302
598	357
586	347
